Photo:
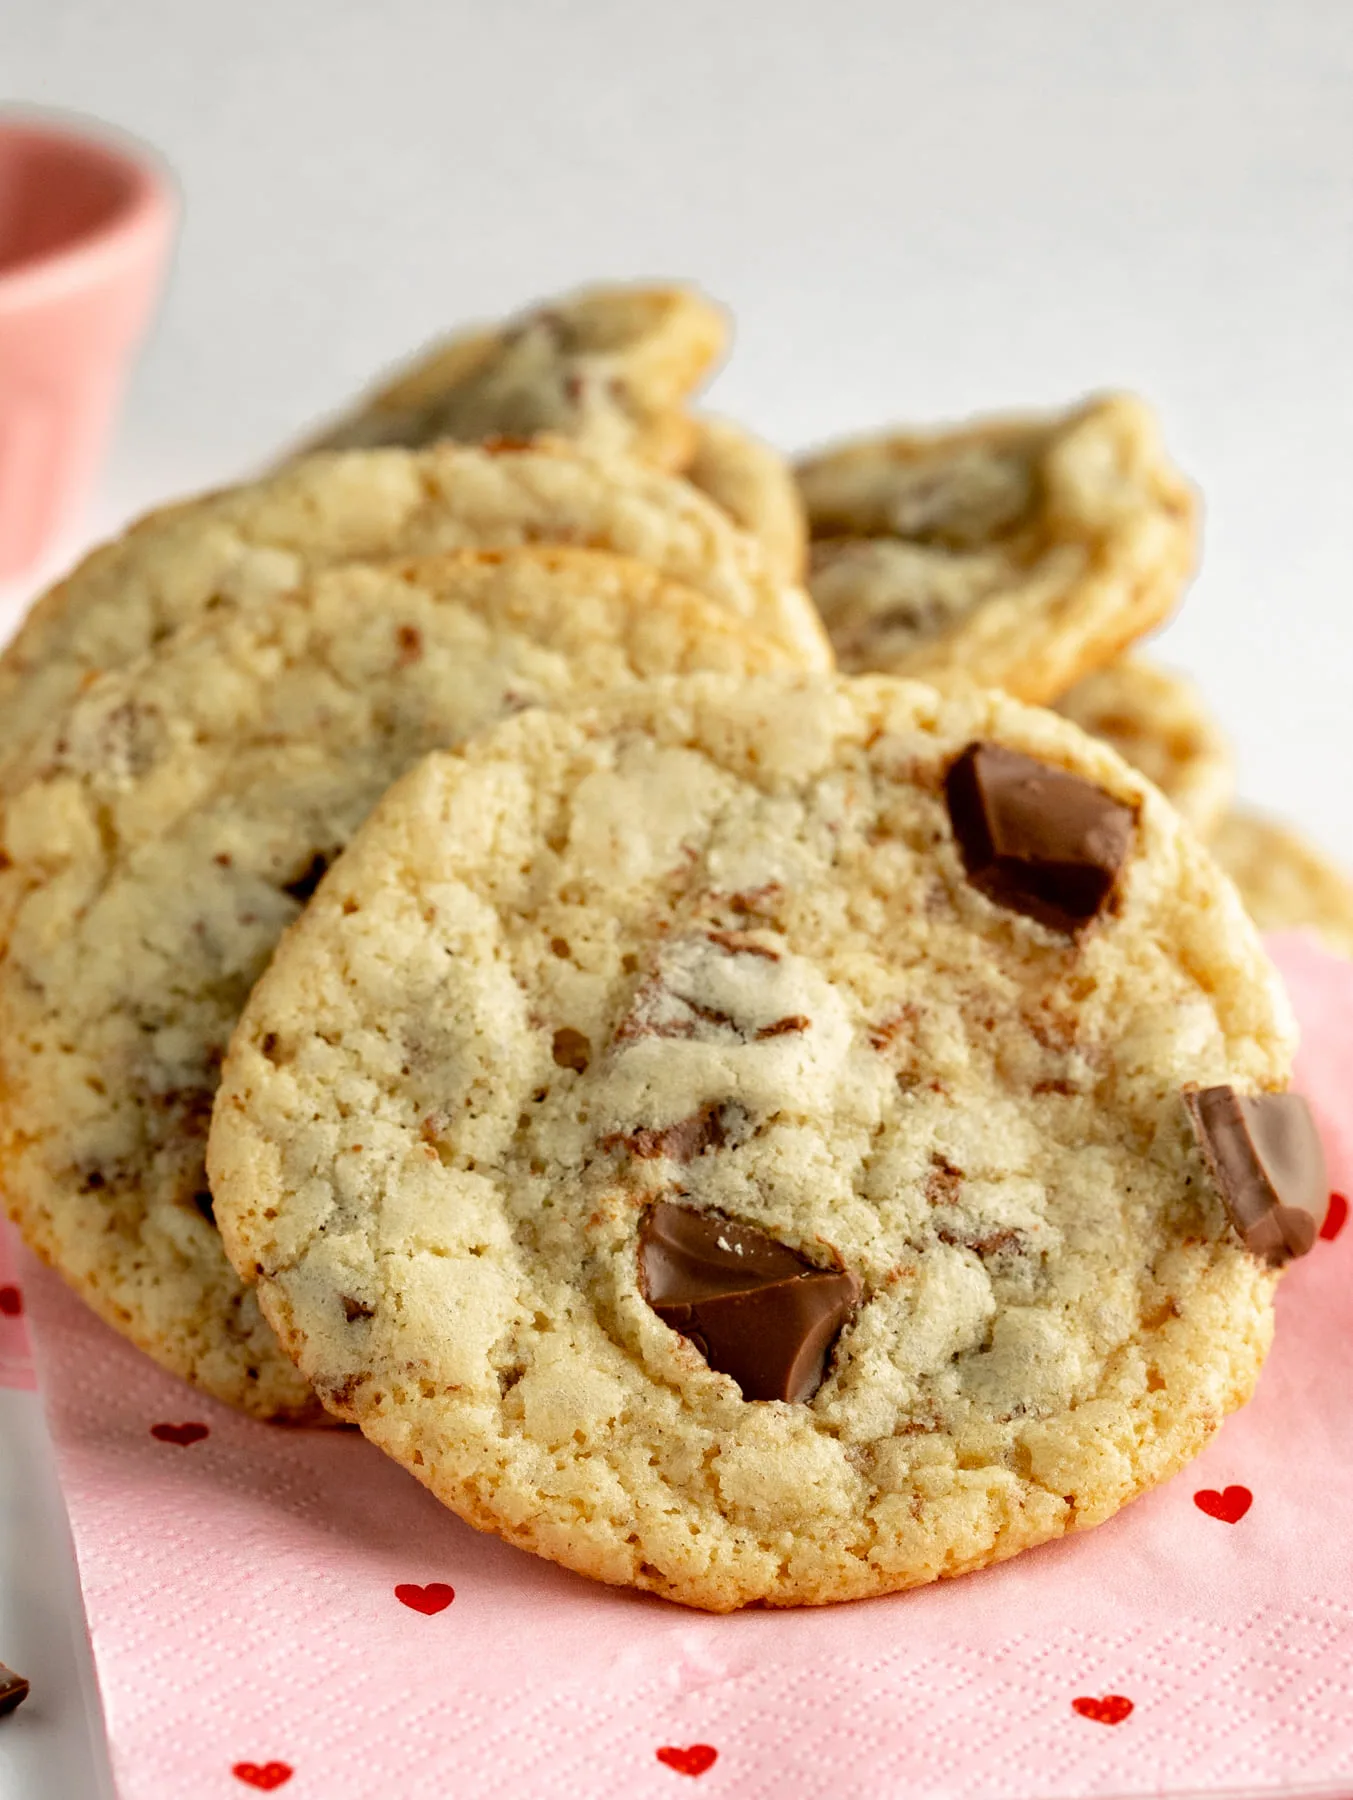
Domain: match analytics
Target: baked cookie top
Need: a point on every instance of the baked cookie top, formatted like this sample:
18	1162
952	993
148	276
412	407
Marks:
755	486
1020	553
1286	882
173	821
249	543
1157	720
612	365
670	1134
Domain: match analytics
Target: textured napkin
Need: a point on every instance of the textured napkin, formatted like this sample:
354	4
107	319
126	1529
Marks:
273	1610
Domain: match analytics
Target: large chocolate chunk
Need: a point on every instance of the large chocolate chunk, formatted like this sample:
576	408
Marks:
13	1690
1035	838
1268	1162
754	1309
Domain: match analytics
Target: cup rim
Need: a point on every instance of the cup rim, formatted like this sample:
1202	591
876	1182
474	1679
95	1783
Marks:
141	219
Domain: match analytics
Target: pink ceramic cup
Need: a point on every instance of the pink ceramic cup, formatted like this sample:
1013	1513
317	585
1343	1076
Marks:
85	224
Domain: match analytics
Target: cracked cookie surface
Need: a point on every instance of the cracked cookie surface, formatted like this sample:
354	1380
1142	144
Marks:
714	948
174	820
1017	553
250	543
1157	720
610	364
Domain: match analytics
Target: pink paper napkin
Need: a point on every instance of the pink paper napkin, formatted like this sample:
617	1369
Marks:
280	1611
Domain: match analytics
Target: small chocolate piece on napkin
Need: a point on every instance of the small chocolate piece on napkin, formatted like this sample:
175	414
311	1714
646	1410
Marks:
1034	838
1268	1162
13	1690
755	1309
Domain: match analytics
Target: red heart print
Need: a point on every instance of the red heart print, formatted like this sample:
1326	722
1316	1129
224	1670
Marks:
1335	1220
694	1760
11	1302
183	1434
433	1598
1229	1505
263	1775
1111	1710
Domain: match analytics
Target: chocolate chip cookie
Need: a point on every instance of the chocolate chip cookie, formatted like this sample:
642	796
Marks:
175	818
732	1139
612	365
250	543
755	486
1018	553
1286	882
1157	720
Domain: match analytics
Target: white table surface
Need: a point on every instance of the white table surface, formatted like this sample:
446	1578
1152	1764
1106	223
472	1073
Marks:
915	211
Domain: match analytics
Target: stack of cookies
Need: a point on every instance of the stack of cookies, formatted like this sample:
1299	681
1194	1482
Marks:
545	933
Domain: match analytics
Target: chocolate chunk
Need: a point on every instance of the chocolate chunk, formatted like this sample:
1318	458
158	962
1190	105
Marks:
13	1690
737	943
1034	838
782	1027
681	1142
754	1309
984	1244
1268	1162
303	887
571	1049
657	1012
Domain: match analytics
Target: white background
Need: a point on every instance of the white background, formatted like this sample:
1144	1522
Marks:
915	210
